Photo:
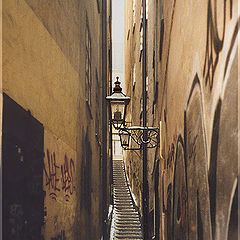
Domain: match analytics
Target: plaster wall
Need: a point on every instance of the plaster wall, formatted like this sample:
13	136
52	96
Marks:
199	82
197	105
44	71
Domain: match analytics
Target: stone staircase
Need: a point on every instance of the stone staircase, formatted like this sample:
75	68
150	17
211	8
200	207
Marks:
126	223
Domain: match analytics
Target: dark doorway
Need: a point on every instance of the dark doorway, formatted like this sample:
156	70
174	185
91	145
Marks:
23	196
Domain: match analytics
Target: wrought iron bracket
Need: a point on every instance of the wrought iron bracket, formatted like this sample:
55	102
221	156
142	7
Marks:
136	135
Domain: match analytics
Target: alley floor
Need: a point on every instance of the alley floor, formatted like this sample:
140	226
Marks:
126	222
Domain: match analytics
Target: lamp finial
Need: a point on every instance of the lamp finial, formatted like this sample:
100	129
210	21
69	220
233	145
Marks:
117	87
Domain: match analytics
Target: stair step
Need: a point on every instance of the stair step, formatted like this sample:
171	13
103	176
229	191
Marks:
126	221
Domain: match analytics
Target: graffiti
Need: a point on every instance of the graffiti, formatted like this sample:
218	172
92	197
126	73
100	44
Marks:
60	236
67	170
192	148
51	175
170	158
234	38
205	157
199	211
190	180
225	147
180	222
59	178
212	175
214	42
196	159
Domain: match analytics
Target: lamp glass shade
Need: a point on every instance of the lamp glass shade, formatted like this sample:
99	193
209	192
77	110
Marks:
124	138
117	109
118	103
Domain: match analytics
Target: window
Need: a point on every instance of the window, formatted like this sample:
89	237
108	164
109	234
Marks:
88	65
147	83
161	9
141	110
141	35
134	76
161	39
98	6
141	44
134	14
141	39
153	60
146	9
128	22
128	34
161	31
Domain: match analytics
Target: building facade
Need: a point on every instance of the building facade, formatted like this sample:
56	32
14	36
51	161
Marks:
192	87
55	165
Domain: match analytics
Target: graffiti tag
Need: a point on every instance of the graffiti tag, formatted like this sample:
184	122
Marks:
59	178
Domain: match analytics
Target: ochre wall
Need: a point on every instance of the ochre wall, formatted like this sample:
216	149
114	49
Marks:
37	74
44	60
197	105
198	85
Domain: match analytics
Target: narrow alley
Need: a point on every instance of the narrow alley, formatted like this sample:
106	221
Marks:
119	120
126	222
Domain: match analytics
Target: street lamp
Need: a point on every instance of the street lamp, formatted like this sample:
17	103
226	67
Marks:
124	138
118	102
145	137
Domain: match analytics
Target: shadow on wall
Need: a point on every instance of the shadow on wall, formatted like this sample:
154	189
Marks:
23	202
211	192
86	176
203	201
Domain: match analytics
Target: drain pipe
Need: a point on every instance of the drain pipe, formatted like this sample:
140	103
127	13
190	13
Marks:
145	197
104	120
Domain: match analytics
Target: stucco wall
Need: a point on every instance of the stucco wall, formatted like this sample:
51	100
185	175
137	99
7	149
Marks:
133	58
197	105
44	71
199	79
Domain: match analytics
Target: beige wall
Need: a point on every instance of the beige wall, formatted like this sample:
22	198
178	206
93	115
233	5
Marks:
60	161
44	57
134	90
35	68
197	106
206	92
132	54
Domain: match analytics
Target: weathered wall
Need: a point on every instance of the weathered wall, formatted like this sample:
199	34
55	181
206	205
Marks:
133	58
33	64
44	71
59	181
199	117
195	187
133	89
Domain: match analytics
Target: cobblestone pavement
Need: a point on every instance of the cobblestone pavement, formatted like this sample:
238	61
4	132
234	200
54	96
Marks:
126	223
